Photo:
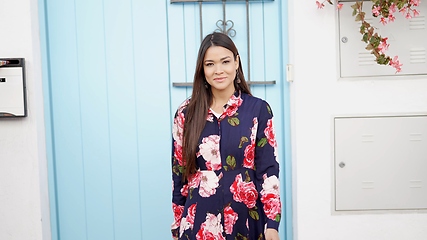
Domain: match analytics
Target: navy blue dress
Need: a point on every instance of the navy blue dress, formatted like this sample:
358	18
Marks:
235	192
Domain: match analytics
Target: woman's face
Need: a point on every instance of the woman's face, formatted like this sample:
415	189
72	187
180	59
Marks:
220	68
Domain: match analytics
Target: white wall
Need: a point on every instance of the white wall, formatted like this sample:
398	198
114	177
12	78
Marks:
316	96
23	192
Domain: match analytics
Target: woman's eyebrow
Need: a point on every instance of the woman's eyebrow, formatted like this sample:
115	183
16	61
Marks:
220	59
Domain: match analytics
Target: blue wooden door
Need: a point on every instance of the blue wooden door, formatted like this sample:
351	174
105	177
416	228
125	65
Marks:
109	69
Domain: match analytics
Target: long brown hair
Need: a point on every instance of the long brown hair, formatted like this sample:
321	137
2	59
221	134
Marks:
202	98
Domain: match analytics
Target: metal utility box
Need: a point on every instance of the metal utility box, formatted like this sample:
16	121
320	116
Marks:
380	163
407	39
12	87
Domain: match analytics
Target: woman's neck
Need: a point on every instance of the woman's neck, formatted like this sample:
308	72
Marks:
220	98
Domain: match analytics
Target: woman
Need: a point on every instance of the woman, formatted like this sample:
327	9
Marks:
224	154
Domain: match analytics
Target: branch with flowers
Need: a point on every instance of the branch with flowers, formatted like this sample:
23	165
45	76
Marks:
385	10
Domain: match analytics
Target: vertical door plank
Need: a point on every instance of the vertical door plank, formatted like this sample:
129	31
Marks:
287	186
94	115
70	181
257	68
153	126
177	54
122	119
275	95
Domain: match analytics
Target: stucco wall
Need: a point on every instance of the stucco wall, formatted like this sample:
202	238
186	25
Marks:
22	148
317	96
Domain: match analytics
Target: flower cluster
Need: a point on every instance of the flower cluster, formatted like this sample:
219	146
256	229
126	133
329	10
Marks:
385	10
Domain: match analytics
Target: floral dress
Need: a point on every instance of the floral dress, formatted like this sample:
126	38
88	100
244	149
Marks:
235	192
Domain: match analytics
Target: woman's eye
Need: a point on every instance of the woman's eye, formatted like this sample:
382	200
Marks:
209	64
226	61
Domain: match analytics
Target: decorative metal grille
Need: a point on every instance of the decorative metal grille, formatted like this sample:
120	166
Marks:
226	26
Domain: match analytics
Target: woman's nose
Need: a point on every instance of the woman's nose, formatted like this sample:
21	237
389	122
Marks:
218	69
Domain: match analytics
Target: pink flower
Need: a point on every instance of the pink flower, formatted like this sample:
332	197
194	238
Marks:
415	2
269	133
230	218
383	45
178	128
319	5
408	15
376	10
209	183
415	12
178	153
177	214
392	9
396	64
232	105
209	149
184	190
339	6
244	192
249	160
391	18
270	196
211	229
272	205
191	214
383	21
194	180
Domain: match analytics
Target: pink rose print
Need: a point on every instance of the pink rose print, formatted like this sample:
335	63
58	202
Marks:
188	221
272	205
177	213
209	183
230	218
184	190
254	129
270	196
178	128
270	185
211	229
178	153
249	153
248	161
244	192
269	133
233	104
191	214
194	180
209	149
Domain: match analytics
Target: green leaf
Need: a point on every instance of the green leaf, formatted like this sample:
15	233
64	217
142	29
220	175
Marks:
278	216
231	161
261	236
268	109
243	140
240	237
248	178
262	142
254	214
365	38
358	17
369	47
233	121
226	168
191	193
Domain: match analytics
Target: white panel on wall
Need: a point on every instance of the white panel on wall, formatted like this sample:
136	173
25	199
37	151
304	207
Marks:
380	163
407	39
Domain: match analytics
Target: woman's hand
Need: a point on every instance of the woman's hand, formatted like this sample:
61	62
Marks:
271	234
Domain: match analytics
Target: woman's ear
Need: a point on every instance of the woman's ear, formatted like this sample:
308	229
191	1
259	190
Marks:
236	61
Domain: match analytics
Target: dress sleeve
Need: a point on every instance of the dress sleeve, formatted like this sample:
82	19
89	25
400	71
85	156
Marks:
267	167
178	185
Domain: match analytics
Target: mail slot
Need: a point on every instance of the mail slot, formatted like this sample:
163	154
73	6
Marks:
12	88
